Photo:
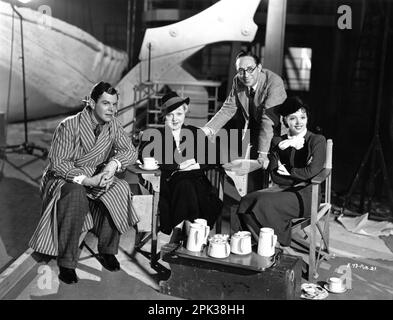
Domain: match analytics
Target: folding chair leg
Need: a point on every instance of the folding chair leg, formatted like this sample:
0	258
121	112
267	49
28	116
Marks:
154	234
312	274
326	231
218	224
154	255
84	244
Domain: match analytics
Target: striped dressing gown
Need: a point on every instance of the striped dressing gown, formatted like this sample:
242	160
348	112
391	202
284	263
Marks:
76	151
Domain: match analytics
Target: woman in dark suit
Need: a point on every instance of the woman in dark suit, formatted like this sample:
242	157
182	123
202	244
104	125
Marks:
185	191
295	158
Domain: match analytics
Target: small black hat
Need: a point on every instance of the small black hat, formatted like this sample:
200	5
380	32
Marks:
291	105
171	101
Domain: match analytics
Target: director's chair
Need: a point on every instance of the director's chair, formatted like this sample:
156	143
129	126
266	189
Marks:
318	211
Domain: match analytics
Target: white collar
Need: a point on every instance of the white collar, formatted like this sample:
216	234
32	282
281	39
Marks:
254	87
176	133
296	142
176	136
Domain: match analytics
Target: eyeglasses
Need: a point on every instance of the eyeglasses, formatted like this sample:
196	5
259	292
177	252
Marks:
249	70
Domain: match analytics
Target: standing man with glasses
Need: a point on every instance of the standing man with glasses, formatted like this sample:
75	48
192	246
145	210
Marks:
255	96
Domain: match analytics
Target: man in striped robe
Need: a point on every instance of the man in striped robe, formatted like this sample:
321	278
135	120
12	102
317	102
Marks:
79	188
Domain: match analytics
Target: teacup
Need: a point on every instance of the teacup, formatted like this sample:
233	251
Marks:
218	248
241	242
336	284
267	242
150	163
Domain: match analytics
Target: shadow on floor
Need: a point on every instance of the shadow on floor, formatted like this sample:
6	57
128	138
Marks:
20	206
112	286
100	285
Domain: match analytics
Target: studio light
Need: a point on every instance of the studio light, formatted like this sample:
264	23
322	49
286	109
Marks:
26	146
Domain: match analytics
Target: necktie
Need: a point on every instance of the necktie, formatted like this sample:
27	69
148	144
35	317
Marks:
251	105
97	130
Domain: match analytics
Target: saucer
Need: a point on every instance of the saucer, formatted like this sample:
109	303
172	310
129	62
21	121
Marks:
326	286
148	169
313	291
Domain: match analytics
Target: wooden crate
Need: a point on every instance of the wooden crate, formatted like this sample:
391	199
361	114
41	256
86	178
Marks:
197	276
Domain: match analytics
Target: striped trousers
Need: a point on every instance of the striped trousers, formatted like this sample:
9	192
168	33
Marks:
72	208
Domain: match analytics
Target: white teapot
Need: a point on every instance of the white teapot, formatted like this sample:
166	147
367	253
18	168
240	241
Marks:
219	246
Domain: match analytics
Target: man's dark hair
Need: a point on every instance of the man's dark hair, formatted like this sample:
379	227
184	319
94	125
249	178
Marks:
248	54
100	88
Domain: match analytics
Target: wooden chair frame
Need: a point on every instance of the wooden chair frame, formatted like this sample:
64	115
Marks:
317	213
151	182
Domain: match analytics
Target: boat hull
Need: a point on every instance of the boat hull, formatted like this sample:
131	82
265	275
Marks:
62	63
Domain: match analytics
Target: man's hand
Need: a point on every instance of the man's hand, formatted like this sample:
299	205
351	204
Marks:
263	160
107	180
110	168
109	173
207	131
103	179
209	134
94	181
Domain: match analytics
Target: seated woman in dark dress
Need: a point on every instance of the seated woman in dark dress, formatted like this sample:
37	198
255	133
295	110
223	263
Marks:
295	158
185	191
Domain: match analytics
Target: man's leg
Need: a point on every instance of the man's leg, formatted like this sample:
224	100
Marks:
109	236
72	208
108	241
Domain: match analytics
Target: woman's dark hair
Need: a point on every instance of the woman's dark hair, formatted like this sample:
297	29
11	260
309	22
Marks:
100	88
248	54
291	105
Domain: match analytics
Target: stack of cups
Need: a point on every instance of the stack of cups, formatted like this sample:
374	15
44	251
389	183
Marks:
197	234
267	242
